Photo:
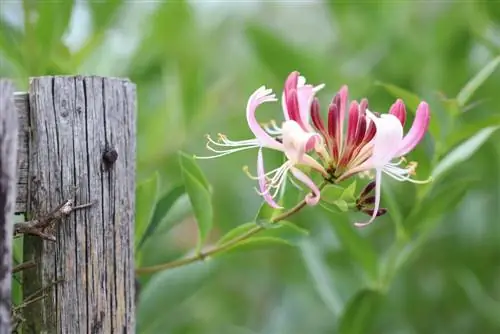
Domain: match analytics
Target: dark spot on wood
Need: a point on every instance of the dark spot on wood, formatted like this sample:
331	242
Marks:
110	156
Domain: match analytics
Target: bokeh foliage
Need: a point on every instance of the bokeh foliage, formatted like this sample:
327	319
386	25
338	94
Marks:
431	265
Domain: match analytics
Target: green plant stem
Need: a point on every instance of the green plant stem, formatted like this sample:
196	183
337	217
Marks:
225	246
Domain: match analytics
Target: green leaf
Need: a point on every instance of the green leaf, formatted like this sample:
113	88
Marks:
463	152
277	55
360	312
161	209
103	12
348	194
200	197
466	93
44	37
189	164
146	195
320	274
411	100
331	193
359	248
235	232
259	242
166	290
282	229
342	205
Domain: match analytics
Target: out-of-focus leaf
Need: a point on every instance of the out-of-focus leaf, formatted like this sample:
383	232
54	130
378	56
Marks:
319	272
466	93
467	128
359	248
438	202
146	195
161	209
479	298
280	57
463	152
167	289
360	312
103	12
411	100
199	195
10	43
52	20
282	229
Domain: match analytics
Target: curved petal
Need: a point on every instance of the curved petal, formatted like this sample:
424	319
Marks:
260	96
387	140
262	181
290	83
296	141
417	130
311	199
378	185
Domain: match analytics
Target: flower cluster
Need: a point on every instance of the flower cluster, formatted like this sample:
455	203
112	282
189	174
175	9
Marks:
353	140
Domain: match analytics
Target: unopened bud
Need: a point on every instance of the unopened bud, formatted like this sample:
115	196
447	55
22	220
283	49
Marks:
380	212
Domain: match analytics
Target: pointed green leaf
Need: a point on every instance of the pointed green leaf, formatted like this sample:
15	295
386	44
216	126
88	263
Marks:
197	188
259	242
321	277
463	151
282	229
235	232
360	249
161	209
360	312
331	193
166	290
103	12
277	55
349	193
189	164
342	205
146	195
411	100
466	93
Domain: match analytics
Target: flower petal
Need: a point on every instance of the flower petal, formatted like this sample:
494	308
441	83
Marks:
290	83
260	96
387	140
417	130
297	142
311	199
398	109
262	181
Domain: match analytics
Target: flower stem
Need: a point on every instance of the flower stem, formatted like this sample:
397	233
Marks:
225	246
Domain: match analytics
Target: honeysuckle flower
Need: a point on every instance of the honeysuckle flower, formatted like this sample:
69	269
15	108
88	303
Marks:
348	146
295	138
389	144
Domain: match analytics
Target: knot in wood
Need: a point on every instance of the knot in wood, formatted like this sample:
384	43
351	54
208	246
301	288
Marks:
110	156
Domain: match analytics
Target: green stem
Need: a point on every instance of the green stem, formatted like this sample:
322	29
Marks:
225	246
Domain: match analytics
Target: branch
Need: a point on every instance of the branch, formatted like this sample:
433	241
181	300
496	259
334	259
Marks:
225	246
39	226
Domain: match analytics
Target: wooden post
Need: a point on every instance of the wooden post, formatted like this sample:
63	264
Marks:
8	178
82	148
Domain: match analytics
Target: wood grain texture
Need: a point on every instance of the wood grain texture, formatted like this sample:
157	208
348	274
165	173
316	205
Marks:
22	106
75	121
8	153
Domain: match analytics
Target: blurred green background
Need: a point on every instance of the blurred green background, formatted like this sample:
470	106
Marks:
431	265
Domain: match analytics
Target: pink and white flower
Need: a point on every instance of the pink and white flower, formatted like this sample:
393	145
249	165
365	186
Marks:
389	144
295	138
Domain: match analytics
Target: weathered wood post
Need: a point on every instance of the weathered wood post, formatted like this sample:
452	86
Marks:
81	148
8	178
